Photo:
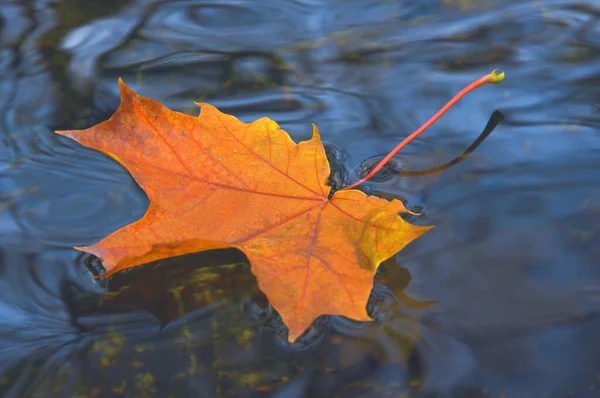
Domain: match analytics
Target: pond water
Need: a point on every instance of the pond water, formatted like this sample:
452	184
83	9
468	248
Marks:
502	299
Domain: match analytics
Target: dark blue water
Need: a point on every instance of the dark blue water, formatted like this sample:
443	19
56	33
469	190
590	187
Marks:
513	266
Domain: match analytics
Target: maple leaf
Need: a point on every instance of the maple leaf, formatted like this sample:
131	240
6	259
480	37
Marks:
216	182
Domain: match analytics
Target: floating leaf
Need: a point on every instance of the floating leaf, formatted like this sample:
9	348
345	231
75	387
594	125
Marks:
216	182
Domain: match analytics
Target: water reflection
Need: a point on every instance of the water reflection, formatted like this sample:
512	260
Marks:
199	313
511	267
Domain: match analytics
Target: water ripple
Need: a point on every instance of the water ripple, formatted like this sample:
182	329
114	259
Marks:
503	292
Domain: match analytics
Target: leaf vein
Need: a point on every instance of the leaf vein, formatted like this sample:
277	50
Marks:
272	226
136	107
162	169
226	128
339	278
363	221
309	253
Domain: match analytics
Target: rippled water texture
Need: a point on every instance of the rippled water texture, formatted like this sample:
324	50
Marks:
513	266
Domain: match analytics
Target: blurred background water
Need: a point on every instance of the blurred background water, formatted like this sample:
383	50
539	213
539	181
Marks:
513	266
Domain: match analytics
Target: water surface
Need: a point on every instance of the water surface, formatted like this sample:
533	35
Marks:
513	266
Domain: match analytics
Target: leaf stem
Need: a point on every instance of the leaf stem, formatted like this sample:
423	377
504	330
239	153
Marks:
492	77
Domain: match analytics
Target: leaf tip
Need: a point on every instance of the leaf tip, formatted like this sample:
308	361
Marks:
72	134
123	88
315	132
204	107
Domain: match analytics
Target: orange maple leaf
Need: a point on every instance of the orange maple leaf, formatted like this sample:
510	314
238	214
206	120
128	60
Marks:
215	182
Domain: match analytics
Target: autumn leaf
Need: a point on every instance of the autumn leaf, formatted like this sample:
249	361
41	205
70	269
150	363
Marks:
216	182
